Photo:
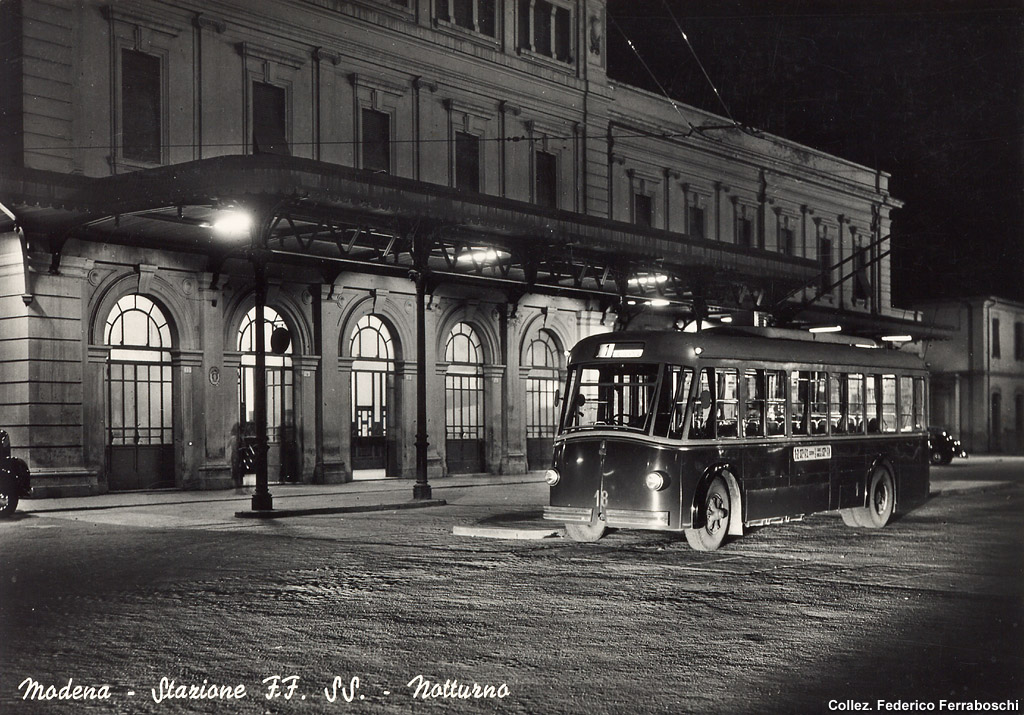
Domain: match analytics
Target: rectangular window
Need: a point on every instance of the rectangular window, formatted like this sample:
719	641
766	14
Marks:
643	210
995	338
753	409
376	141
546	185
906	404
825	265
696	222
871	403
888	403
1018	341
546	29
542	27
787	241
837	405
269	119
140	107
727	402
475	15
809	398
855	404
745	232
861	282
467	162
563	35
776	394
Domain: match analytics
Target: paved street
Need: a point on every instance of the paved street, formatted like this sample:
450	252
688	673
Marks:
137	595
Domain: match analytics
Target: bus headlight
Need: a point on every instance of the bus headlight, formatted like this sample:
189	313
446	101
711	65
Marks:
552	476
656	481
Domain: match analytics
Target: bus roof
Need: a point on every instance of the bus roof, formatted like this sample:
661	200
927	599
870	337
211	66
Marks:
770	347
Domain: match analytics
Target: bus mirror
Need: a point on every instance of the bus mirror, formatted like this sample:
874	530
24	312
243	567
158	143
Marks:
558	397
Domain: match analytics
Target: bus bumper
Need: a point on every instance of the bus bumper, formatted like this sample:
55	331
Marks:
613	517
569	513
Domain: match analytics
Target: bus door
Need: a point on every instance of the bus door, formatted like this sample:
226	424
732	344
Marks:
766	456
811	460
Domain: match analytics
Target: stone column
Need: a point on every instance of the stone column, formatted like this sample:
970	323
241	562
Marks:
304	404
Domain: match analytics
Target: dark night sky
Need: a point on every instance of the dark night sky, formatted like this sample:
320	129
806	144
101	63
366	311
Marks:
931	91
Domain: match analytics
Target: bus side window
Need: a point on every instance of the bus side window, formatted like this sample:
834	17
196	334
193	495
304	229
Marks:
798	400
675	392
871	403
700	420
776	402
727	403
753	419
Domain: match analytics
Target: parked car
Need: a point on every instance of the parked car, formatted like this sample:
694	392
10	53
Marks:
943	446
15	480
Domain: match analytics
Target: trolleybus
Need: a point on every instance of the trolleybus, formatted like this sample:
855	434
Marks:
713	432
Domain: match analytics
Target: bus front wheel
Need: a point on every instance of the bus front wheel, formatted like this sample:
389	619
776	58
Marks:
715	507
881	502
585	532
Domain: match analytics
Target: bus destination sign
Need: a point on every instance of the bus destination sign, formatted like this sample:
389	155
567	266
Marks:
810	454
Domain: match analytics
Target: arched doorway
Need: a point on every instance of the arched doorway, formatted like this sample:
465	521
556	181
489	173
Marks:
373	370
464	401
140	441
541	357
282	441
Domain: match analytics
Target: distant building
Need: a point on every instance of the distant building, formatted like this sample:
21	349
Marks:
465	158
977	375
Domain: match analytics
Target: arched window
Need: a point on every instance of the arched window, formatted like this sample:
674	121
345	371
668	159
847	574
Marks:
280	415
541	356
139	392
372	384
464	400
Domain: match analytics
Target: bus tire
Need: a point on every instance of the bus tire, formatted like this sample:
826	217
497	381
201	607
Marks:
850	517
585	533
881	500
715	507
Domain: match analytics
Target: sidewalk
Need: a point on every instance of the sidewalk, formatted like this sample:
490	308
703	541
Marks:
289	499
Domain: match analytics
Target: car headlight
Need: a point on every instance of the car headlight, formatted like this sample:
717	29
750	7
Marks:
656	481
552	476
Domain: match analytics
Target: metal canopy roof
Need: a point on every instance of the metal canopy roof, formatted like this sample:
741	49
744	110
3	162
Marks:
333	218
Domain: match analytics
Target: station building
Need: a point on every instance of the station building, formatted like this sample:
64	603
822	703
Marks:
977	380
430	201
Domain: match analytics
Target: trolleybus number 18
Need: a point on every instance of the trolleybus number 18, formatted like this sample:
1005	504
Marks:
809	454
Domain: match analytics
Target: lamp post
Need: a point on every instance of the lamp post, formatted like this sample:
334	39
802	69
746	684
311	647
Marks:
239	224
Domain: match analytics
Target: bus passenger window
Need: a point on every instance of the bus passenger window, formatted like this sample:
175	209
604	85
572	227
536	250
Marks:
906	404
855	403
700	421
776	402
871	403
727	403
888	403
837	405
798	399
753	420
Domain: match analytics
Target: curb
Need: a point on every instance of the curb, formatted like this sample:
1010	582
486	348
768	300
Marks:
499	532
282	513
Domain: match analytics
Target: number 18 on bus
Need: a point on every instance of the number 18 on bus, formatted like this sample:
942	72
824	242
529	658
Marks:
709	433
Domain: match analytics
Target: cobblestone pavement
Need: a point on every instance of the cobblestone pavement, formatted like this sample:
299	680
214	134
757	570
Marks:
369	605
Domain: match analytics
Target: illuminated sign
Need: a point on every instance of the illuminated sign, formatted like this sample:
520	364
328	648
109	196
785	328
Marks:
810	454
620	350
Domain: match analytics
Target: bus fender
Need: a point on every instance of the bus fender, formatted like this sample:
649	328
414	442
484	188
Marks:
735	499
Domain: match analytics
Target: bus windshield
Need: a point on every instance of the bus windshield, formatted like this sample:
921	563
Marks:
611	395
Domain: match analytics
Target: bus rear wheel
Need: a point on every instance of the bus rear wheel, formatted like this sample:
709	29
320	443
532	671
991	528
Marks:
881	502
715	507
585	532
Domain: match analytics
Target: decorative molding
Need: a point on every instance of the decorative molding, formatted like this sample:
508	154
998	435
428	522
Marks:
456	105
507	107
146	275
202	21
249	49
422	83
132	14
360	81
321	55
